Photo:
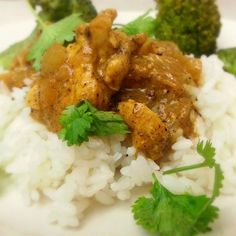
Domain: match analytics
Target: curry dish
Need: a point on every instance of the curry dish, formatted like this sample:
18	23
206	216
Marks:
142	79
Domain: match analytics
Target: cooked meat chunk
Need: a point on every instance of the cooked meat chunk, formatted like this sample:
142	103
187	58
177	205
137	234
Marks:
92	68
143	79
157	78
149	133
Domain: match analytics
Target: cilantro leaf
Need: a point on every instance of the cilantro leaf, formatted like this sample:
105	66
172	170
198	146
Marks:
228	56
143	24
208	152
218	183
170	214
108	123
182	215
7	56
60	32
77	123
81	121
208	216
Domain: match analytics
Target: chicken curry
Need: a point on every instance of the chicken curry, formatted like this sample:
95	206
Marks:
142	79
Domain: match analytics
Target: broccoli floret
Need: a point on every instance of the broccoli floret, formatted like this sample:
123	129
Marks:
194	25
54	10
228	56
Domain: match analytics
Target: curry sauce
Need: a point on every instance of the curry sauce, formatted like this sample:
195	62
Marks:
142	79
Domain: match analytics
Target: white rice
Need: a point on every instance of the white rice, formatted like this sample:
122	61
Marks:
103	169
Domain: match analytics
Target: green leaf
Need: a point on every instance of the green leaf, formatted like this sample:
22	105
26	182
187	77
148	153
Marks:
7	56
207	151
208	215
81	121
109	128
228	56
143	24
60	32
181	215
169	214
218	183
77	122
108	116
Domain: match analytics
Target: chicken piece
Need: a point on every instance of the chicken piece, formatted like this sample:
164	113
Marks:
112	49
145	78
60	87
169	50
92	69
149	133
160	71
165	64
157	78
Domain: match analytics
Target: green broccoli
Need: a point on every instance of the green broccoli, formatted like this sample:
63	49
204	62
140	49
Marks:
228	56
194	25
55	10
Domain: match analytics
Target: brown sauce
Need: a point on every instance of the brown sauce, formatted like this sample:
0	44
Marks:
142	79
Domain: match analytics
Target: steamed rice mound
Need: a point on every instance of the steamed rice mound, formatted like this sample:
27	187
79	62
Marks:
105	170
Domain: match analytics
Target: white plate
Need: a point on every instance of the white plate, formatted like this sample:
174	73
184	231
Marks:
16	219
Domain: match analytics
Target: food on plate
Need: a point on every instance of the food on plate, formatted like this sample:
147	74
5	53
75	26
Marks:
83	121
111	109
149	133
104	63
193	25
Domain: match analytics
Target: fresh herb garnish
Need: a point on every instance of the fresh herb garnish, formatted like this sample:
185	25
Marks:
8	56
60	32
206	151
81	121
228	56
183	215
143	24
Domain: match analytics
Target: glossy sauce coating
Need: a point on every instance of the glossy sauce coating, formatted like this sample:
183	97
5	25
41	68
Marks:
142	79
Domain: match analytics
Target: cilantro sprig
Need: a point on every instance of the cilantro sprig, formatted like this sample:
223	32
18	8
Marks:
84	120
182	215
52	32
8	55
228	56
60	32
143	24
206	151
